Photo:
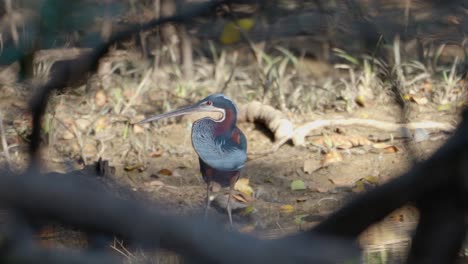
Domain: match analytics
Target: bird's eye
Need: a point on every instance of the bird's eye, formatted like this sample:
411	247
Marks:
209	103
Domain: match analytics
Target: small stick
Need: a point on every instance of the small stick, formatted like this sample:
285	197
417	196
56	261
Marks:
301	132
5	143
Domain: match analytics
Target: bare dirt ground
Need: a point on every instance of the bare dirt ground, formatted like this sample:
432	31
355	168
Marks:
290	189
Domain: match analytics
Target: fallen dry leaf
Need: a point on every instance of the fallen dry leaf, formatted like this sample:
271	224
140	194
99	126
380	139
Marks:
360	100
67	134
420	100
301	199
344	180
287	208
100	98
331	157
365	184
299	219
444	107
248	210
298	185
453	20
321	189
48	232
132	167
137	129
247	229
89	150
391	149
242	197
242	185
387	147
156	153
154	183
165	172
101	124
380	145
341	141
82	124
69	127
310	165
427	87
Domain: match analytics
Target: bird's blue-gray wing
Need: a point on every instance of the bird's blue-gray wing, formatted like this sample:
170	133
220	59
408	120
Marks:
221	152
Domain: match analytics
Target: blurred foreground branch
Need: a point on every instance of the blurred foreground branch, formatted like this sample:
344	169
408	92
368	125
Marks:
64	199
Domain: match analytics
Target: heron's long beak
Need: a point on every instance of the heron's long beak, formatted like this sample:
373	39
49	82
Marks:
183	111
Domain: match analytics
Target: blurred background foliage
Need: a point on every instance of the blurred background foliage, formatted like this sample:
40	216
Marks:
302	26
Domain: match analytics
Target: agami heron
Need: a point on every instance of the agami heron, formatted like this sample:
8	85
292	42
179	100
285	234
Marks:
220	144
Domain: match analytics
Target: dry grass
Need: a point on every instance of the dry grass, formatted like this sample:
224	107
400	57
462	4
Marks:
130	89
95	120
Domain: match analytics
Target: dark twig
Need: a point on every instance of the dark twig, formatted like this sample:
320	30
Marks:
226	83
5	147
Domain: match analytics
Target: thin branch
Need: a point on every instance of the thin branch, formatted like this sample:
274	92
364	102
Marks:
5	143
226	83
301	132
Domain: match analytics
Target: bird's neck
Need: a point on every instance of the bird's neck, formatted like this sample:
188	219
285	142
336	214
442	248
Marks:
228	122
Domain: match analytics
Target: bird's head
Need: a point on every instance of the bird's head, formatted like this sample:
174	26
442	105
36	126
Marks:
217	103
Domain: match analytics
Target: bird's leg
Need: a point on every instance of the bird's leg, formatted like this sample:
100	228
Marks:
207	207
228	207
232	182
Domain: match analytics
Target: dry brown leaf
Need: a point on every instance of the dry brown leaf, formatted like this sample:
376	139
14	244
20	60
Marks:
100	98
310	165
137	129
420	100
242	197
154	183
101	124
239	198
347	180
427	87
47	232
156	153
82	124
341	141
132	167
165	172
360	100
321	189
301	199
331	157
287	208
67	135
242	185
381	145
365	184
247	229
67	132
387	147
453	20
391	149
89	150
